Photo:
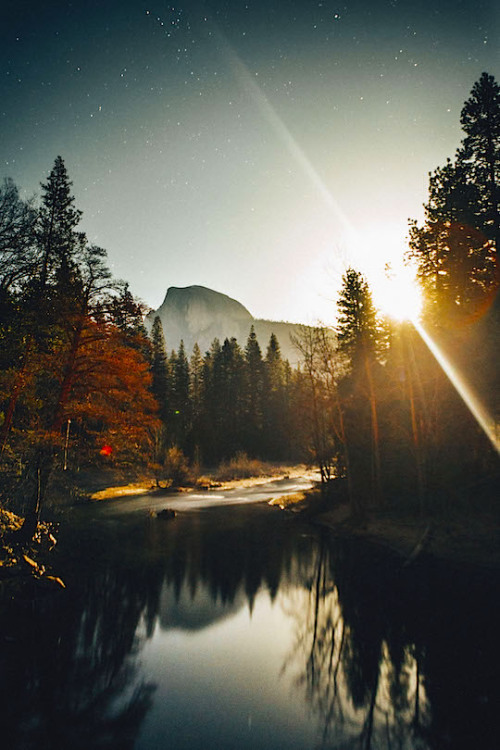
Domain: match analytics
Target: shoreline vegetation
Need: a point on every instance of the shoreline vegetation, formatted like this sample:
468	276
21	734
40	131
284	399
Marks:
222	478
400	418
466	537
463	539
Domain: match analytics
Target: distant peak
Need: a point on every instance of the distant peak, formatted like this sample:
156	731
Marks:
179	297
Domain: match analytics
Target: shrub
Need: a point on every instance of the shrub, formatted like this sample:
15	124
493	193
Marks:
176	466
240	466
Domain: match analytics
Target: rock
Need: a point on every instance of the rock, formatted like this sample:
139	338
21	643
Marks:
166	514
196	314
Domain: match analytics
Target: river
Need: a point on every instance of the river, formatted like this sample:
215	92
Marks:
235	625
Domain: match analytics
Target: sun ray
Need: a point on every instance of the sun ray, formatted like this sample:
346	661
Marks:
477	409
405	301
249	84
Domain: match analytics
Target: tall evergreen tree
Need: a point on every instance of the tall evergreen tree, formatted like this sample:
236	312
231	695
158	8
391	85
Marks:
480	119
455	250
196	389
361	339
275	413
232	413
358	330
181	404
160	369
57	222
54	286
254	393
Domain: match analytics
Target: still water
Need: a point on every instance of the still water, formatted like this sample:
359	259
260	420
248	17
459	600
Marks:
236	626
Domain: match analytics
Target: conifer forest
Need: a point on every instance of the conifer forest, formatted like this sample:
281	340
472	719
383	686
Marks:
87	381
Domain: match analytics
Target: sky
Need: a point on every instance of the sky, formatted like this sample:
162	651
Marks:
256	148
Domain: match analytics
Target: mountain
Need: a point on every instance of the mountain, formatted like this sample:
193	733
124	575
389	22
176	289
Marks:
197	314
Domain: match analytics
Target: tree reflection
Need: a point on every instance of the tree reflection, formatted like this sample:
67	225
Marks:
384	654
68	674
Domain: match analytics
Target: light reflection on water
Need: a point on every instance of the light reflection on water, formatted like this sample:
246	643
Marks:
223	681
240	628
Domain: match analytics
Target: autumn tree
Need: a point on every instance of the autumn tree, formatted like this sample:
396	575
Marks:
77	364
58	247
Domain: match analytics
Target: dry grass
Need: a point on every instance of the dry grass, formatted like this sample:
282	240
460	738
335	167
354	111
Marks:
243	467
134	488
286	501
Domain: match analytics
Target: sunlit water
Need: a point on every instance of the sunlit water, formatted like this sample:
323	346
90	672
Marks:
236	626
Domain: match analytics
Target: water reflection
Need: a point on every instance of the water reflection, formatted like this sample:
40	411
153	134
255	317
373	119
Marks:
290	634
388	657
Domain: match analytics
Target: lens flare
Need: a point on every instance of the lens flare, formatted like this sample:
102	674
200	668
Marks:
477	409
400	296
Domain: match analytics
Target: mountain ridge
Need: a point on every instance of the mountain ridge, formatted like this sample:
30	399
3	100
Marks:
198	314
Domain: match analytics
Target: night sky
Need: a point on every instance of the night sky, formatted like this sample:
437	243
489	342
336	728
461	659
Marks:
253	147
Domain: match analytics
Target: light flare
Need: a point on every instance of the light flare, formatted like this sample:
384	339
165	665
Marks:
399	297
470	399
249	84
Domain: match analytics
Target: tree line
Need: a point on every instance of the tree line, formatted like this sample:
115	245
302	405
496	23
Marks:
387	417
229	401
73	354
369	403
83	383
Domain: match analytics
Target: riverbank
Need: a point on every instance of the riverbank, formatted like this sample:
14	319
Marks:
206	482
463	538
25	566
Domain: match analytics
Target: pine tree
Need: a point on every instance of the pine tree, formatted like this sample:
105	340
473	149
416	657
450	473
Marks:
361	339
480	119
57	222
358	330
54	285
233	398
196	390
160	370
180	399
254	393
455	250
275	417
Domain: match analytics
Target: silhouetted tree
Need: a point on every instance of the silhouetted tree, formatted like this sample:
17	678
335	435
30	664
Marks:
361	339
160	369
180	398
18	253
480	119
276	422
254	393
455	250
